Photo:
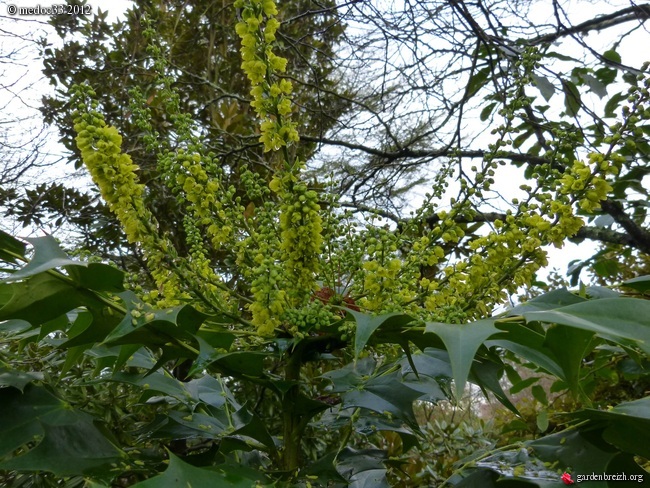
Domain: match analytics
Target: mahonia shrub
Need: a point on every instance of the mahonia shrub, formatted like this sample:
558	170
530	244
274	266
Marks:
281	297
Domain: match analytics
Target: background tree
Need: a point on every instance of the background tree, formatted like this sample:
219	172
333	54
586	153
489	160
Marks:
434	80
199	46
25	140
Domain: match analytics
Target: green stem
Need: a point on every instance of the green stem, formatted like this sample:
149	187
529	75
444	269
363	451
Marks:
291	421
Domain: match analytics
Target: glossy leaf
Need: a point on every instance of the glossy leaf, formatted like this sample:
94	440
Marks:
570	345
367	324
383	392
17	379
548	301
528	344
584	452
487	375
623	320
640	283
363	469
627	425
462	342
154	328
62	434
182	474
39	299
11	248
47	255
97	276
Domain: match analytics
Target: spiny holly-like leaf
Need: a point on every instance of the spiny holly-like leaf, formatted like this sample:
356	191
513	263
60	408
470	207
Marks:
63	434
548	301
517	469
17	379
151	327
462	343
364	468
627	425
97	276
382	392
622	320
487	375
527	343
570	345
248	364
90	327
180	474
367	324
47	255
39	299
583	451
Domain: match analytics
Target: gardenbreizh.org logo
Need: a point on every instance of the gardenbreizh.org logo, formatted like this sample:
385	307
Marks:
570	479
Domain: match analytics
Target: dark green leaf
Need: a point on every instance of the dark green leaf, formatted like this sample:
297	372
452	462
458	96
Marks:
367	324
545	87
522	385
548	301
519	469
98	277
640	283
487	110
241	363
39	299
156	383
572	101
180	474
363	469
528	344
601	292
252	426
11	327
477	81
584	451
487	374
17	379
63	434
539	394
606	75
462	342
47	255
613	56
380	392
11	249
623	320
570	345
613	103
154	328
627	425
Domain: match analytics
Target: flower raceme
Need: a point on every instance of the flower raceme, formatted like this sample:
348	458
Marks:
271	96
